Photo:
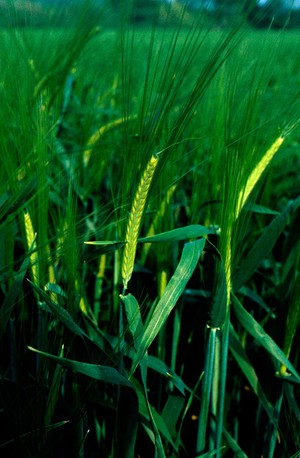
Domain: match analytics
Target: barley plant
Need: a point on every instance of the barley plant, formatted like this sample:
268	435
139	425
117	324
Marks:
149	228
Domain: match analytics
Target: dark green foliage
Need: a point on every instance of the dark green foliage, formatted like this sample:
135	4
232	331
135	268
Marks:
201	356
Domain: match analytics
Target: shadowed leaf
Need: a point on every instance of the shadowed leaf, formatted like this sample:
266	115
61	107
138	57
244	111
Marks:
255	329
96	371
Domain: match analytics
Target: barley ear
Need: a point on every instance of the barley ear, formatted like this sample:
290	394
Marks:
135	220
257	172
31	244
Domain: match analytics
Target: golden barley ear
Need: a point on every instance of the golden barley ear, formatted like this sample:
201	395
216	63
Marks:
135	220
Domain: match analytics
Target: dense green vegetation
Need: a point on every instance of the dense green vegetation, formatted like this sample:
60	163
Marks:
172	151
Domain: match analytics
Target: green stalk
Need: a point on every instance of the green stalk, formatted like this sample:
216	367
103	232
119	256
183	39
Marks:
222	383
206	391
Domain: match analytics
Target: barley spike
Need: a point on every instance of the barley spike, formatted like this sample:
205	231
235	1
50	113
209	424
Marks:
135	219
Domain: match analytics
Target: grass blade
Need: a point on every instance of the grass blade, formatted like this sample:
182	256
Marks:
96	371
255	329
157	418
222	377
176	235
160	367
248	370
10	299
134	319
36	432
206	390
238	452
263	246
188	262
59	312
293	316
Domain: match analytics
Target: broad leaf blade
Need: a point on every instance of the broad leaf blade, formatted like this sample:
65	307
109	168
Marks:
96	371
134	318
188	262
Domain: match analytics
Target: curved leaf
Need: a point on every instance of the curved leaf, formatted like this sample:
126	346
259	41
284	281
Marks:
96	371
245	365
188	262
59	312
260	335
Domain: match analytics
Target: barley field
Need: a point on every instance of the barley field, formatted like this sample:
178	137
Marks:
149	234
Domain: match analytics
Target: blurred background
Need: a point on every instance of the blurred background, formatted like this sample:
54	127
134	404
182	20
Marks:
257	13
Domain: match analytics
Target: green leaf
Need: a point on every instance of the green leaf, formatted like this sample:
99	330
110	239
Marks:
262	247
59	312
54	392
182	233
96	371
172	412
248	370
293	316
134	318
296	455
255	208
136	328
160	453
255	329
102	247
10	204
12	295
238	452
36	432
218	310
56	289
206	388
102	339
220	378
211	453
291	400
143	409
105	243
257	299
188	405
160	367
188	262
